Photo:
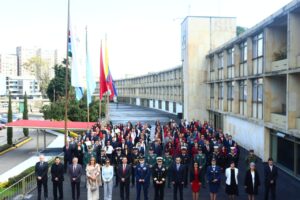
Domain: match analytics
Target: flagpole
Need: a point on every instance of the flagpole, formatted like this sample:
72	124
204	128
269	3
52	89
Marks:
87	102
100	109
107	107
66	78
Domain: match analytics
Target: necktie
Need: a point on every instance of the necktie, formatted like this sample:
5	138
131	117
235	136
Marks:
178	167
74	168
124	169
41	164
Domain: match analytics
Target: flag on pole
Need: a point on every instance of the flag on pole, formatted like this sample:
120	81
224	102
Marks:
109	78
90	82
78	73
102	82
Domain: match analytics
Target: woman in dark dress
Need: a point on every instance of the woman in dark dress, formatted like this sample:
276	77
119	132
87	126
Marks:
214	179
231	174
195	181
252	182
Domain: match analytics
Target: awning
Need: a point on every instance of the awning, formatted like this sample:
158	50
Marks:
47	124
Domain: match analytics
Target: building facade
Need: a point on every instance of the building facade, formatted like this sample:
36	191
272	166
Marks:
253	82
8	65
162	90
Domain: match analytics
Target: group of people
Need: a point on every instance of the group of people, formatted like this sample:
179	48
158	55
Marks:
176	154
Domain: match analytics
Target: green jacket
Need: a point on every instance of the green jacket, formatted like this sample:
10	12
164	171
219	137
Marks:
151	160
200	159
168	161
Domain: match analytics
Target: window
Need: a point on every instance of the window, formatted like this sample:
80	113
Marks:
230	93
220	65
167	106
257	98
220	95
159	104
212	96
230	63
243	97
243	59
174	107
258	54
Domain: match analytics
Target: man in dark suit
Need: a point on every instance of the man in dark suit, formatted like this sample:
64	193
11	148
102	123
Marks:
75	172
178	176
271	175
41	173
57	173
68	156
124	173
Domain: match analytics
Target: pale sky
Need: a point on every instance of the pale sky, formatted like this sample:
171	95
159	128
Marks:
143	35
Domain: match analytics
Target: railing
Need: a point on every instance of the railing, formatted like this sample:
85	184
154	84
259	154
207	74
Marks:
20	189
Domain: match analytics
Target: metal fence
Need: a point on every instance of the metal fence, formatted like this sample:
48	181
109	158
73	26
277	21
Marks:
20	189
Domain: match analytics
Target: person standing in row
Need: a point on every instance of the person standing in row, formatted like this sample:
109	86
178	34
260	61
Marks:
159	179
41	173
195	178
200	158
93	179
271	174
168	161
252	182
75	172
142	178
57	174
107	177
214	179
124	173
231	175
178	174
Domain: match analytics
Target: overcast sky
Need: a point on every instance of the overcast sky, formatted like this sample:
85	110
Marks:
143	35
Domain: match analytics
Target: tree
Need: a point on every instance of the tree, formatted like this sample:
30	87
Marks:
25	115
240	30
9	119
56	87
39	68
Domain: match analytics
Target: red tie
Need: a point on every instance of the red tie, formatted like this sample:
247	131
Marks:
124	169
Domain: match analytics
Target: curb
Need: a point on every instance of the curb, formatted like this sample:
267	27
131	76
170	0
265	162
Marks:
16	146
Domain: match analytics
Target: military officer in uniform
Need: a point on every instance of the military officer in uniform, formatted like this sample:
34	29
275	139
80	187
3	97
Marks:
151	158
142	178
185	161
159	179
251	158
117	161
168	161
200	158
232	157
135	162
103	157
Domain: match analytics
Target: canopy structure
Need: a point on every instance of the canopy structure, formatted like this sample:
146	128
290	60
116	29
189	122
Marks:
47	124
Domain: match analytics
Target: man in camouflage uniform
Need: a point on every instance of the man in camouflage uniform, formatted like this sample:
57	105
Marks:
250	158
168	161
200	158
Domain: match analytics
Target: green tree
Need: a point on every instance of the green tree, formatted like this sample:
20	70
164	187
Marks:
40	69
240	30
9	119
56	87
25	115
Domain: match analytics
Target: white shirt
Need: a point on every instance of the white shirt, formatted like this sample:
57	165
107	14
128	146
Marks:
228	175
109	149
253	177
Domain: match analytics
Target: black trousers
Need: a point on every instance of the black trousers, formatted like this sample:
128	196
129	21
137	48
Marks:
58	185
159	191
178	186
117	177
43	183
124	187
186	176
75	188
270	188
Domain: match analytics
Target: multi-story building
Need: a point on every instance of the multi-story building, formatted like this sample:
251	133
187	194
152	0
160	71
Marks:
17	86
23	55
8	64
253	82
162	90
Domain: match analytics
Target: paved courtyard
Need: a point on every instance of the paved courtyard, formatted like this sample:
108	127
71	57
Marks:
287	188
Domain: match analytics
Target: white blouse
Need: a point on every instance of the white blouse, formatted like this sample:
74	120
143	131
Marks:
107	173
253	177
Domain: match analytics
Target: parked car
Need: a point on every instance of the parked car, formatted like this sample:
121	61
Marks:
2	126
3	118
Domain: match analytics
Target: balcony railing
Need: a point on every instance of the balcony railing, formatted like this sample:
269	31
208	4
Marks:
278	119
279	65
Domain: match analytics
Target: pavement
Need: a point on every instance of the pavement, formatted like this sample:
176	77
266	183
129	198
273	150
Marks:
287	187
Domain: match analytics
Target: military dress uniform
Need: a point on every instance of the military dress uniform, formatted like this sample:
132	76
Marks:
142	179
159	179
168	161
117	160
135	162
151	160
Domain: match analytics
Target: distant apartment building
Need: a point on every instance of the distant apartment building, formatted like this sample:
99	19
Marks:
8	65
18	85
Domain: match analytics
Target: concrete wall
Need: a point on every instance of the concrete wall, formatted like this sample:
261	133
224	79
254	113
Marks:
199	36
247	134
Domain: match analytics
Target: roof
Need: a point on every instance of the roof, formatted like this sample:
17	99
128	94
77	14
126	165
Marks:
47	124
